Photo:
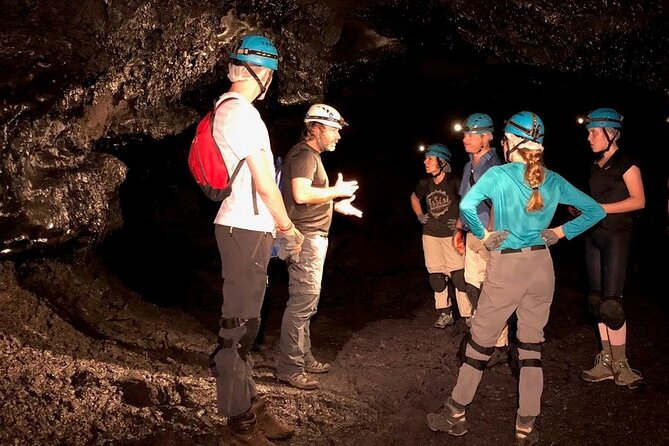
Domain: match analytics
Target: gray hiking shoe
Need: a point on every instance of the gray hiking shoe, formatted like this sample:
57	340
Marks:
444	320
601	371
446	419
299	380
625	376
317	367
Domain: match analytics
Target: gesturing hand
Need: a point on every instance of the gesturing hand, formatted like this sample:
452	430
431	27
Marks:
345	188
422	218
345	207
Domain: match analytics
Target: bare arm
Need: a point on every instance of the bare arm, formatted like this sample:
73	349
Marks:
267	188
636	199
305	193
415	204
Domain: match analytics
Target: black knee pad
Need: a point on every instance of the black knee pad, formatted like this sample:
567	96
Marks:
438	281
611	313
458	279
473	294
246	341
594	301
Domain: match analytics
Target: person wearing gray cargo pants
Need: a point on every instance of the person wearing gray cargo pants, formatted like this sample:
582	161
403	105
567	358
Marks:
304	286
520	276
310	202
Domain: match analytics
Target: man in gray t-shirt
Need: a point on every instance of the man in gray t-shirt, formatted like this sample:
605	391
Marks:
309	199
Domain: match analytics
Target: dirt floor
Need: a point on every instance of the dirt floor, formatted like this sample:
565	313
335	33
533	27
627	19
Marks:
85	361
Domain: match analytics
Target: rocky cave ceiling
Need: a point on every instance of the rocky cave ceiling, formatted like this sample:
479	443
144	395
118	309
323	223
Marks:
77	73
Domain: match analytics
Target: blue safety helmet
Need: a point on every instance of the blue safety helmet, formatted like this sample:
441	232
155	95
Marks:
478	123
604	118
256	50
527	125
442	152
439	151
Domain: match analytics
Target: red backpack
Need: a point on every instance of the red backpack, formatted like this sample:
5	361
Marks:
206	162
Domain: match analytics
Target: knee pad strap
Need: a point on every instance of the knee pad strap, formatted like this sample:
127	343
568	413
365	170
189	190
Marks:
479	348
530	346
478	364
531	362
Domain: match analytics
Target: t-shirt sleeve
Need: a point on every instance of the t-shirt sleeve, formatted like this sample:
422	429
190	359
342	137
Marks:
303	165
421	188
591	211
625	163
245	133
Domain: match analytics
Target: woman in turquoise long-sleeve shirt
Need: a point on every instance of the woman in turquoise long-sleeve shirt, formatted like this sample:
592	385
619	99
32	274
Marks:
520	276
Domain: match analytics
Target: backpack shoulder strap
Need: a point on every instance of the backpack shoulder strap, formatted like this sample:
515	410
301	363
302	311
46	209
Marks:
211	131
240	163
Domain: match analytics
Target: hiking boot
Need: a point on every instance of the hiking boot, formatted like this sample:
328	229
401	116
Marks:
243	431
444	320
625	376
267	423
299	380
601	371
447	419
526	438
317	367
499	356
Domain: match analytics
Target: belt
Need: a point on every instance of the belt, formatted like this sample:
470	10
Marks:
531	248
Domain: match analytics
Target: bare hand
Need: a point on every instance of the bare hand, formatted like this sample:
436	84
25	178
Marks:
459	242
345	207
345	188
290	244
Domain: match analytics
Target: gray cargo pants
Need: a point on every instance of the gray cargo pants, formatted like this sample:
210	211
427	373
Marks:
244	255
304	289
523	282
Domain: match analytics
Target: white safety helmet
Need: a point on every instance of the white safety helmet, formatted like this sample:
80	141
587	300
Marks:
326	115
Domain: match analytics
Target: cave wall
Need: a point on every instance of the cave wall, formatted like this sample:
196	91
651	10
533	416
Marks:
82	79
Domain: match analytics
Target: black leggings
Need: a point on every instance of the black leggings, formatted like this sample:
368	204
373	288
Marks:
606	256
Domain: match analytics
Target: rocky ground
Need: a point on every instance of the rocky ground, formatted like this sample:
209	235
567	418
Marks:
85	361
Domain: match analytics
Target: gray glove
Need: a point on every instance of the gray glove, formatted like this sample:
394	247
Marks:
495	240
423	218
550	237
451	224
290	245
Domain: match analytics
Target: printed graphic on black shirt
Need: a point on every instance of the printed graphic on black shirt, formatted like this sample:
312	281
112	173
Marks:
439	202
